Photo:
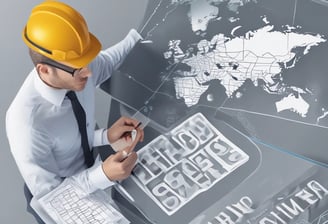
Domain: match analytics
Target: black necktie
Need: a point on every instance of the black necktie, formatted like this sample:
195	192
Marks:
81	121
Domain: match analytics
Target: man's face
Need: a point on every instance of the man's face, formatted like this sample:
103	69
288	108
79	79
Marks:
71	79
77	82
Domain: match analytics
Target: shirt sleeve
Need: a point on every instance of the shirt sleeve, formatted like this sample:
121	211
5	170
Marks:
111	58
100	137
97	179
33	155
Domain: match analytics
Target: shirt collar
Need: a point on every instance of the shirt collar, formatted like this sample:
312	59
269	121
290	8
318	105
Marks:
53	95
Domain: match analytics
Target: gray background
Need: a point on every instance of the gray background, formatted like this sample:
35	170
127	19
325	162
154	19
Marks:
109	20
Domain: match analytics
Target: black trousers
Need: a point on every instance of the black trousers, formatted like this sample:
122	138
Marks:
29	209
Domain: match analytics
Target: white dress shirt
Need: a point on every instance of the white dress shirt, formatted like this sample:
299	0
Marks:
43	133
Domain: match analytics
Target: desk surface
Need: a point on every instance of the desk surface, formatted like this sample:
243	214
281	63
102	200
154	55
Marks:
257	71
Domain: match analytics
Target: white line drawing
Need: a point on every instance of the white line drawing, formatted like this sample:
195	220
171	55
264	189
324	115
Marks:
69	204
189	160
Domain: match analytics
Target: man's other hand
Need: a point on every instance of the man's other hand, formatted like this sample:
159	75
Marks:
119	166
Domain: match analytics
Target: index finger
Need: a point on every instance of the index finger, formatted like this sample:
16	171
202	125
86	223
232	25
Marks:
140	131
129	121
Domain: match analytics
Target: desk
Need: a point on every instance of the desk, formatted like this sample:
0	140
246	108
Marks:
245	66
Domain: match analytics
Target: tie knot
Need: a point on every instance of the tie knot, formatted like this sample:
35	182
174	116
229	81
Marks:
71	95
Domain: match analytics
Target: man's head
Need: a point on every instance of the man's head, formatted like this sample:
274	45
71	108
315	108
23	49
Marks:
60	34
59	75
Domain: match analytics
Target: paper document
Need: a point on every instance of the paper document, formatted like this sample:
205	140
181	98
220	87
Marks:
68	203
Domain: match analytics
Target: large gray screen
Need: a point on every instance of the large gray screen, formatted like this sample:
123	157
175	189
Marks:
245	78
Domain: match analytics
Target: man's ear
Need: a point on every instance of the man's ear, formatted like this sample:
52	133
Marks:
42	69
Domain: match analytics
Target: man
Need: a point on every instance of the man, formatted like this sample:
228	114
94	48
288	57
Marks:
43	126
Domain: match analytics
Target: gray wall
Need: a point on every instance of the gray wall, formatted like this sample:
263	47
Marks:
109	20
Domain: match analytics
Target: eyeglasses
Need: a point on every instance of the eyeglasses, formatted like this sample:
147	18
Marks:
65	68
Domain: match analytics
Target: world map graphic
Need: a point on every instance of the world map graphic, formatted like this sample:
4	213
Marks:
244	48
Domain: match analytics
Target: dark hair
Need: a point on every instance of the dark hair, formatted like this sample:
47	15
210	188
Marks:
36	57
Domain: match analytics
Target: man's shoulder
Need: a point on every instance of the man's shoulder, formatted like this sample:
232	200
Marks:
22	110
25	105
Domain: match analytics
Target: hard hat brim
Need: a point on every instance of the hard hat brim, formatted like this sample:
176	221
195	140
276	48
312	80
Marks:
79	62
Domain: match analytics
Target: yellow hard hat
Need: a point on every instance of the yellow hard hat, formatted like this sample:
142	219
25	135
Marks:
59	32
